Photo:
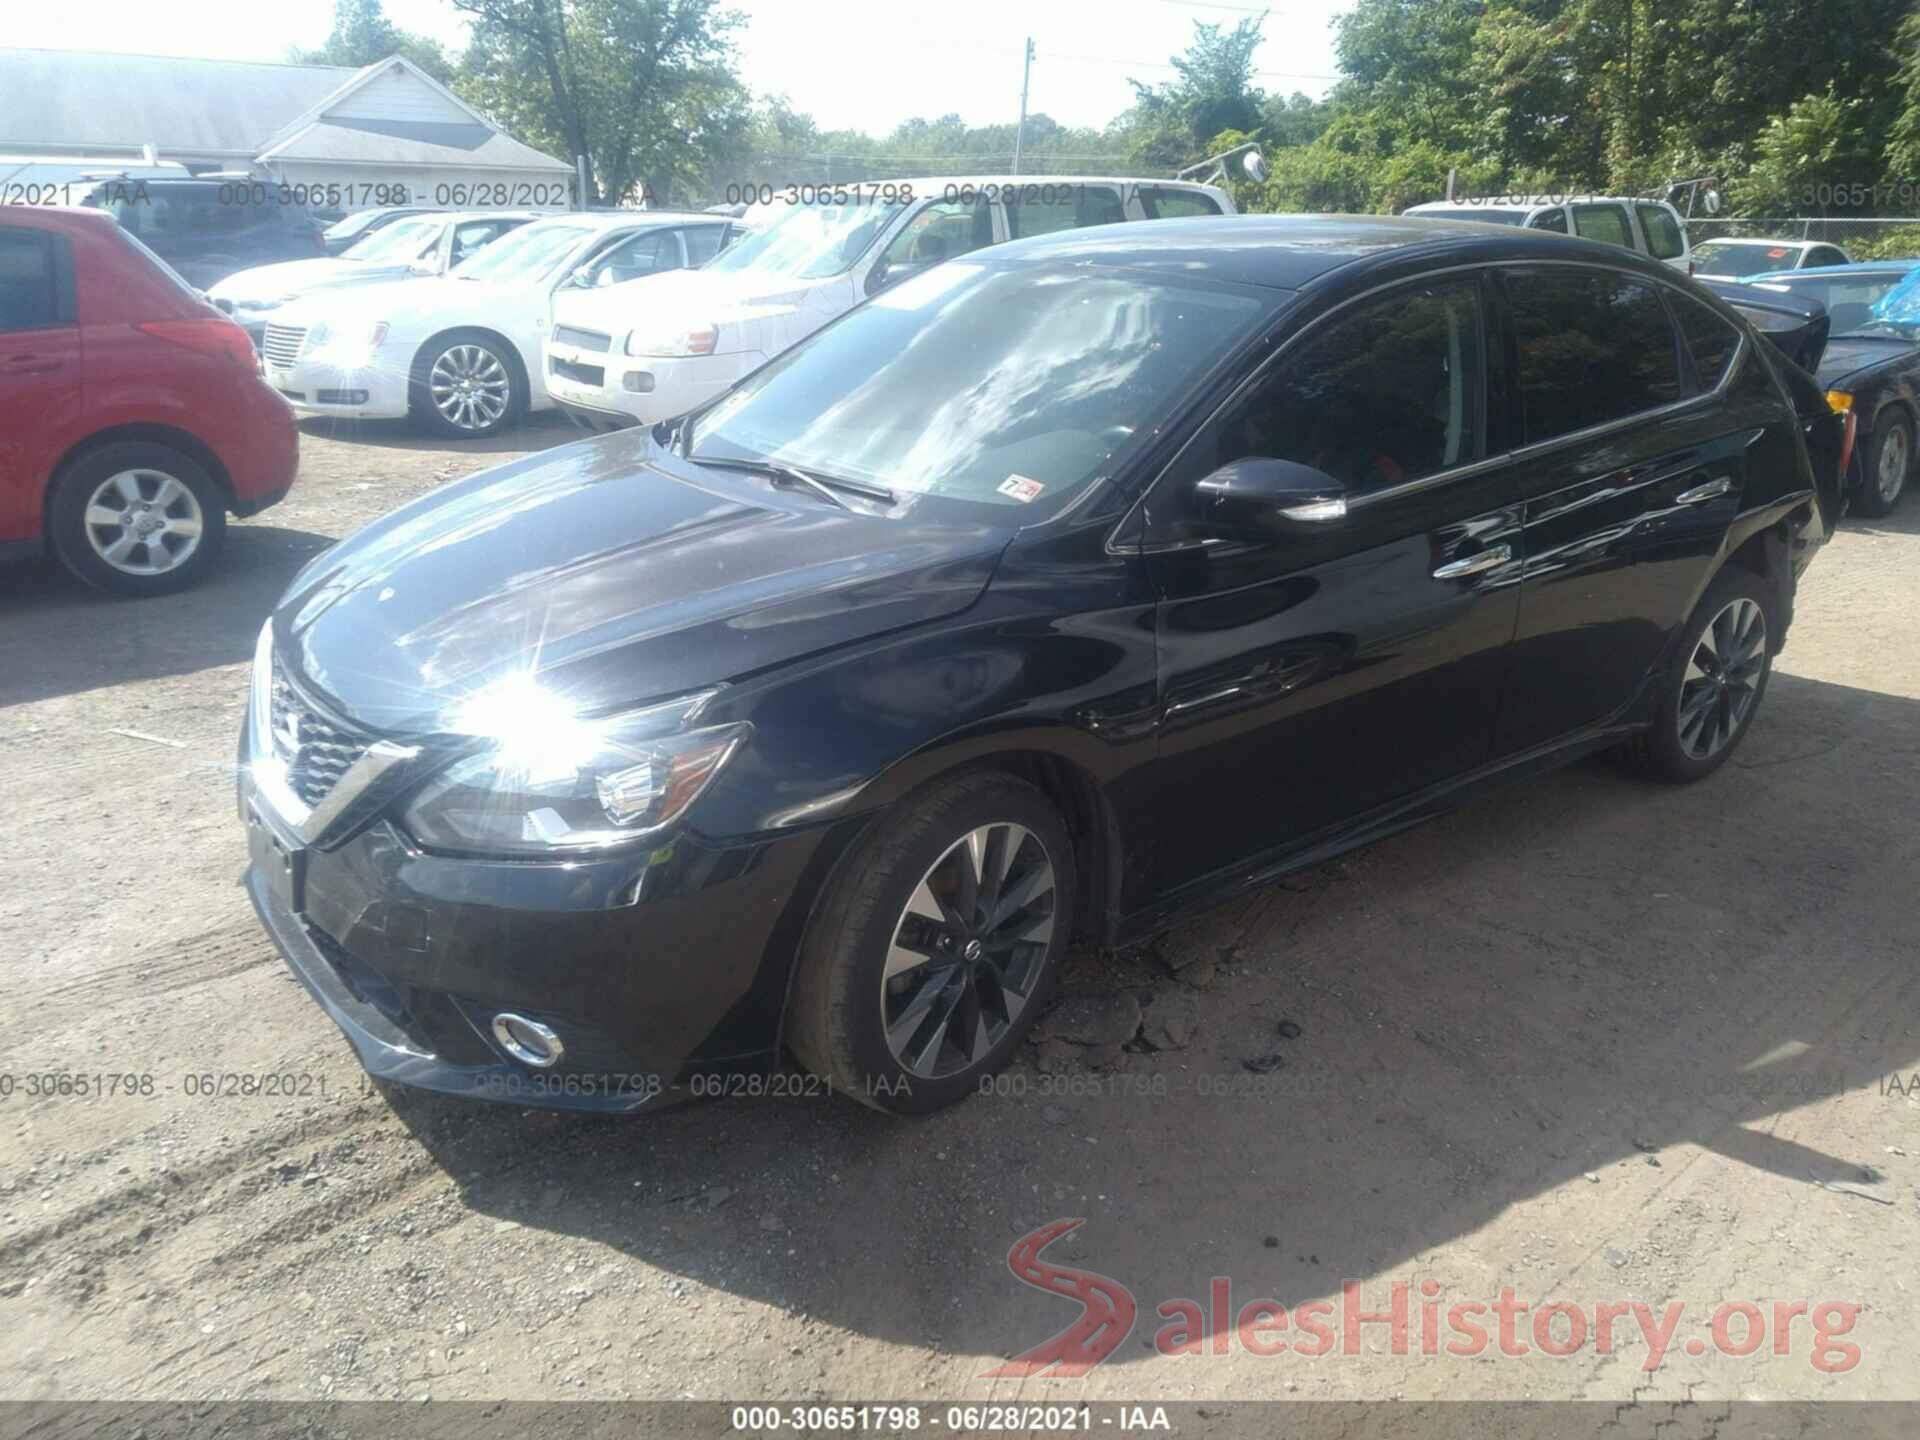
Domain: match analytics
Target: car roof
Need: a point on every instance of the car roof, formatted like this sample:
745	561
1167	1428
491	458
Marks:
1291	252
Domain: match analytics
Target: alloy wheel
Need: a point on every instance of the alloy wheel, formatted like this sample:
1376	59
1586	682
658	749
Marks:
1896	453
470	387
1722	679
968	951
143	522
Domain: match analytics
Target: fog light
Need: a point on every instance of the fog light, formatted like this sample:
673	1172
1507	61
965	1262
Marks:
342	397
640	382
527	1041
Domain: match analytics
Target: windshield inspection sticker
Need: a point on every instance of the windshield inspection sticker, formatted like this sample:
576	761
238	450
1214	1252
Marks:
1021	488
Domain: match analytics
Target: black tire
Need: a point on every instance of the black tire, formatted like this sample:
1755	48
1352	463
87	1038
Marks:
420	390
836	1015
1692	712
83	548
1873	497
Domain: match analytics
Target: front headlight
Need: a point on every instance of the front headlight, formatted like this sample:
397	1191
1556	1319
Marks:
674	342
553	783
352	348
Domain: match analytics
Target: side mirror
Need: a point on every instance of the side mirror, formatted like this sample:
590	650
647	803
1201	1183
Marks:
1258	498
582	276
425	265
877	277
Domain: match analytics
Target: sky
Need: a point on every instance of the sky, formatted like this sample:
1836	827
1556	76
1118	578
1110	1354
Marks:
851	64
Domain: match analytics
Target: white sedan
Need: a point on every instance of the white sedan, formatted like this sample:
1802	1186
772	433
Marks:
460	352
418	245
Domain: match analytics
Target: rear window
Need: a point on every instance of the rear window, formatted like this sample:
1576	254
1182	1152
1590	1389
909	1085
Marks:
134	243
1162	203
1664	240
1594	347
1042	209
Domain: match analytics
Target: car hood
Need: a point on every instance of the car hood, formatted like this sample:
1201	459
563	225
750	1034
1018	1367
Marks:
429	299
616	571
270	282
699	297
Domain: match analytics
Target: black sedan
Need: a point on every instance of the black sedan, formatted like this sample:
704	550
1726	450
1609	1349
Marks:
1871	365
1044	596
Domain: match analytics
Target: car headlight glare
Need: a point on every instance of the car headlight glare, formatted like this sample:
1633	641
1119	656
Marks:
350	348
552	782
674	342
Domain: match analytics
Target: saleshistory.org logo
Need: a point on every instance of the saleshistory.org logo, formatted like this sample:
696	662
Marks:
1507	1326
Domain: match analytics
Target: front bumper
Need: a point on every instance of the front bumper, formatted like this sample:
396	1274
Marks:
377	391
592	385
649	966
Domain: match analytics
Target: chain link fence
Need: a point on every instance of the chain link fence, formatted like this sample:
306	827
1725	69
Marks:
1887	238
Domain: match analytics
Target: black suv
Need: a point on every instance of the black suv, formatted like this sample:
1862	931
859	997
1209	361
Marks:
1049	593
210	227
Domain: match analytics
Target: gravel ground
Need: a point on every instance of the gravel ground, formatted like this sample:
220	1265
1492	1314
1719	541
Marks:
1590	1039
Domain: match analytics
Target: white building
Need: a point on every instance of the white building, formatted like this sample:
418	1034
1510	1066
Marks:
364	131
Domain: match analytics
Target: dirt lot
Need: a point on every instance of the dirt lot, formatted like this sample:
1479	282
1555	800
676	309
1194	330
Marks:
1592	1040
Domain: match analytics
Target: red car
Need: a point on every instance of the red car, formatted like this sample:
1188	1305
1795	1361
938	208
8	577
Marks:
132	413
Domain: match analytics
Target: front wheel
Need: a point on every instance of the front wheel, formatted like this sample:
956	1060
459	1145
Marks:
1714	682
1888	459
936	947
467	386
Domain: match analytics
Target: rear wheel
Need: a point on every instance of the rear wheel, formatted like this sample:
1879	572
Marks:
137	519
937	945
1714	682
1888	459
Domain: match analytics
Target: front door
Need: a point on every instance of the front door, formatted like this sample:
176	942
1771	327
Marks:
1309	680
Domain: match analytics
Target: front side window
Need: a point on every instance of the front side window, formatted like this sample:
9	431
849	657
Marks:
1711	338
1010	386
1664	240
1163	203
27	298
941	231
1605	223
1593	347
1387	393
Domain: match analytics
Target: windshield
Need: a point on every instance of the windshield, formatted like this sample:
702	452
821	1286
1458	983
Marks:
809	241
529	253
994	385
1721	257
402	240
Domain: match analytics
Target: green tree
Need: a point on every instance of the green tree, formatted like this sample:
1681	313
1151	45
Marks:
362	35
644	89
1212	90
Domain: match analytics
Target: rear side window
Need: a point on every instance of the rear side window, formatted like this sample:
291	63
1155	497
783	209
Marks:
1042	209
1554	220
29	297
1161	203
1711	339
1605	223
1664	240
1593	347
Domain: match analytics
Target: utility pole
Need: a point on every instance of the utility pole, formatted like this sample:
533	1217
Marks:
1026	74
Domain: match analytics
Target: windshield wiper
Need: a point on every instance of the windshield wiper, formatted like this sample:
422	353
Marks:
822	485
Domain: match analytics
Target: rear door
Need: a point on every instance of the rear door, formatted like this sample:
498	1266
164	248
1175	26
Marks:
40	382
1630	460
1606	221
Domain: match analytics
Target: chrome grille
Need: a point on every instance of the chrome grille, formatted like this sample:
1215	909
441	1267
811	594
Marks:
315	750
582	339
282	343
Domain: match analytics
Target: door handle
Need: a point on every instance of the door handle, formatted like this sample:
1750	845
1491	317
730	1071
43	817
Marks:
1491	558
1700	494
29	364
